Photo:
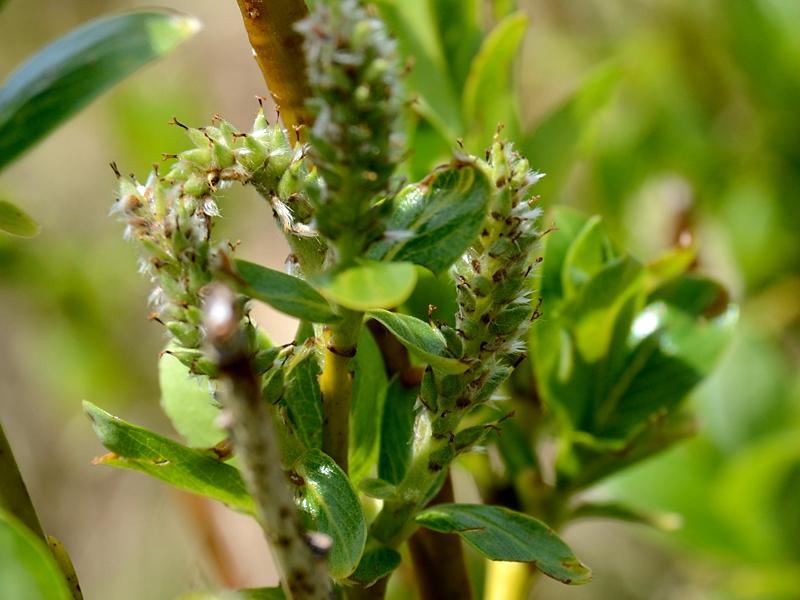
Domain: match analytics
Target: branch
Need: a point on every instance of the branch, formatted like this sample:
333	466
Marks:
301	568
278	50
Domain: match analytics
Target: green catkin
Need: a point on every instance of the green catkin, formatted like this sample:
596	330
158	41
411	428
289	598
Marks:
494	285
170	218
355	142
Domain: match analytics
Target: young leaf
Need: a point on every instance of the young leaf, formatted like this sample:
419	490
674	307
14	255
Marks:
372	284
196	471
445	212
27	569
288	294
488	91
397	432
590	251
15	221
422	339
186	399
304	403
502	534
65	76
459	25
366	411
375	564
329	504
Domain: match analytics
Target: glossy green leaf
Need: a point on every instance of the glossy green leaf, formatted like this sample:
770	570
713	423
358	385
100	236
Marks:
502	534
187	401
488	92
65	76
422	339
288	294
27	569
366	411
328	503
412	23
376	564
397	432
15	221
442	215
372	284
303	402
196	471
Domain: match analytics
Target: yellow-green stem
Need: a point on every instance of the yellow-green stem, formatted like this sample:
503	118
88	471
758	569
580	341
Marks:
336	386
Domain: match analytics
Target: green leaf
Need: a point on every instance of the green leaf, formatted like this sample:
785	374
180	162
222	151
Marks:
65	76
397	432
288	294
15	221
27	569
187	401
375	564
371	285
443	215
489	92
366	411
502	534
458	23
411	22
304	403
196	471
422	339
328	503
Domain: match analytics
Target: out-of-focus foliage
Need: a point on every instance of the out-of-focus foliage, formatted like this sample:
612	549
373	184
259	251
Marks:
677	122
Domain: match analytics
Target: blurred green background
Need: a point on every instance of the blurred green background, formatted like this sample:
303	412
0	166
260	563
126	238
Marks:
671	118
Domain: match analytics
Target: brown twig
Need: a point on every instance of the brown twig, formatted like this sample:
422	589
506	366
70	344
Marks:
278	50
302	568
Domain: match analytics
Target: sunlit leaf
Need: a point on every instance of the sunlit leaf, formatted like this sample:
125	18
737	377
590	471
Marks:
196	471
372	284
65	76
